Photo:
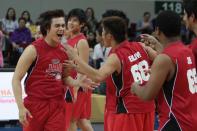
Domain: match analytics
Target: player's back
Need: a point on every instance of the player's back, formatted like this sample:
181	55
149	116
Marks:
178	99
134	60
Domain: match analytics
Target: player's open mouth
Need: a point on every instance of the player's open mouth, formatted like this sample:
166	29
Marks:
60	35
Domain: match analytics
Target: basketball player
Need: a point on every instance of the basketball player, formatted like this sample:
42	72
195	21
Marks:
43	107
81	107
124	65
190	18
173	78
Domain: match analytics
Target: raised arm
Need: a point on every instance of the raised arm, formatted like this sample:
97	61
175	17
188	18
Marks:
111	65
82	49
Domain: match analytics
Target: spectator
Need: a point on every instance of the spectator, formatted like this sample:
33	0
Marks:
100	51
1	46
132	31
9	22
20	38
91	37
26	15
38	33
91	20
145	26
100	55
29	23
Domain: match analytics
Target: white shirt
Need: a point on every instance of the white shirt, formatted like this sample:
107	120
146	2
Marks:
9	25
100	52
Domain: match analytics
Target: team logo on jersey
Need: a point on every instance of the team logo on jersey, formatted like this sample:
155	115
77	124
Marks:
55	69
55	61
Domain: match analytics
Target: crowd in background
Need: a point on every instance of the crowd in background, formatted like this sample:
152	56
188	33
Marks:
16	33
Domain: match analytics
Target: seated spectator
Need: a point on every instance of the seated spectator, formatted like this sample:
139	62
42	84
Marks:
145	26
100	54
9	23
132	31
38	33
1	46
20	38
91	20
91	37
29	23
25	14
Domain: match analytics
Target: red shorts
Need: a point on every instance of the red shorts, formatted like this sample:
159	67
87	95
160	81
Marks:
129	122
47	115
82	106
68	114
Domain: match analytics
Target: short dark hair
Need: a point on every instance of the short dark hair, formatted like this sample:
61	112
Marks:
190	7
169	23
21	18
115	26
45	19
146	13
119	13
14	17
79	13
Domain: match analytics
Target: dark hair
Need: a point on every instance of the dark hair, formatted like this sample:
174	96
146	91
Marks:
45	19
190	7
92	10
79	13
21	18
14	17
169	23
115	26
146	13
119	13
29	18
99	29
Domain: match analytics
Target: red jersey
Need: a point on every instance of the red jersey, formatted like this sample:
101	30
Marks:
73	42
177	100
134	61
193	46
44	79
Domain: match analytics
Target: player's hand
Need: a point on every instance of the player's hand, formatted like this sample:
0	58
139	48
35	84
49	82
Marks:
69	64
151	41
24	114
151	52
71	52
86	83
148	71
134	87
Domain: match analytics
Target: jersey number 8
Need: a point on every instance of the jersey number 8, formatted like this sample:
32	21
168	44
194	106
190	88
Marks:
192	80
138	71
